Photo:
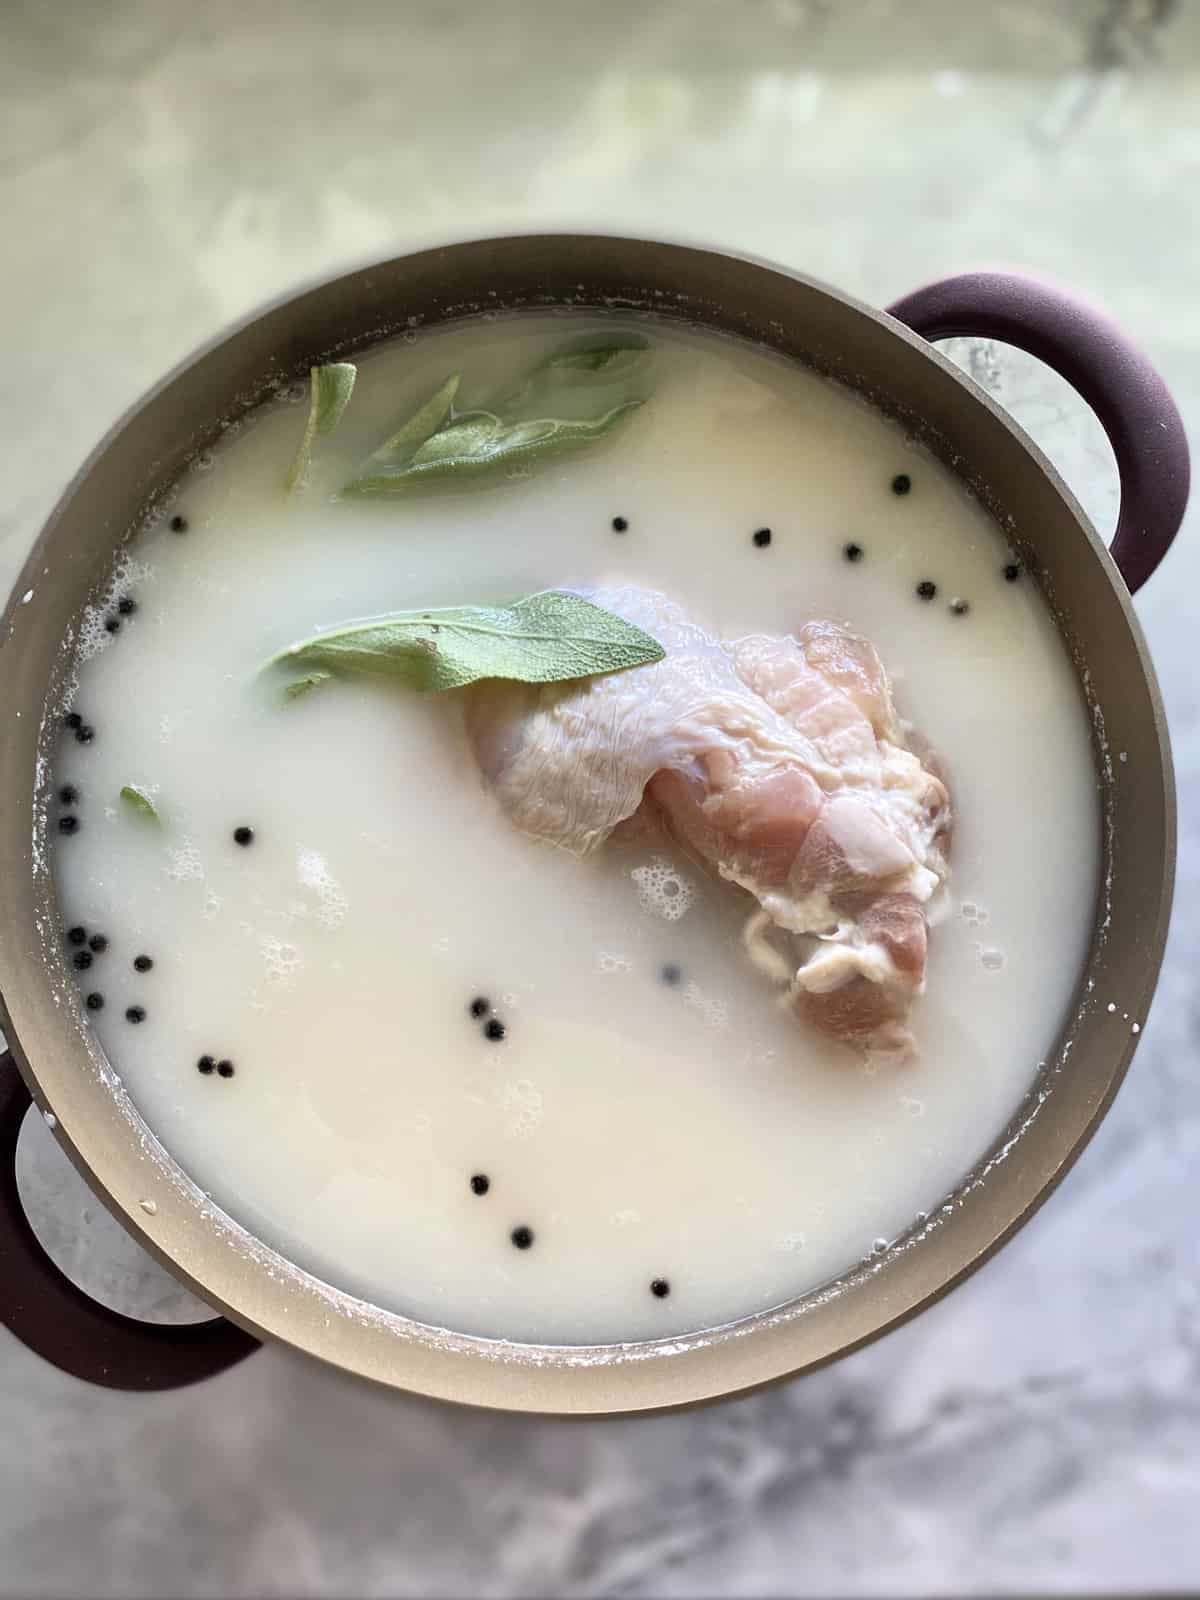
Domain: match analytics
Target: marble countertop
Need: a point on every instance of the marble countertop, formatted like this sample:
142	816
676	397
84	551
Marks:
164	167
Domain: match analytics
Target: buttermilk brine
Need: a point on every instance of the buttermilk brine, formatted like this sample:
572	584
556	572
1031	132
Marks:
528	1091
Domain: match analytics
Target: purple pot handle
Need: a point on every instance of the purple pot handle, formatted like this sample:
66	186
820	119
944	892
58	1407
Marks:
68	1328
1109	372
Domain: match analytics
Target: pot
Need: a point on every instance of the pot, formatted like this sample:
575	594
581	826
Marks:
56	1063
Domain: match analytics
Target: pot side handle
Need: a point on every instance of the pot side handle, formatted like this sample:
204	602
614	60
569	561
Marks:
77	1334
1132	402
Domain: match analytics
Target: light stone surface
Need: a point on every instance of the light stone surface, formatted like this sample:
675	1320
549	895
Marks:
163	168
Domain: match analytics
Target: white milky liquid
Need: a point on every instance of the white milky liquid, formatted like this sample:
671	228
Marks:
642	1129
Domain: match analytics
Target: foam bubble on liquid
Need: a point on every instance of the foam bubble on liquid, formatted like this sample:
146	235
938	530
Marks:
522	1103
663	890
991	960
913	1106
313	872
714	1011
281	960
185	861
793	1241
612	963
212	904
93	635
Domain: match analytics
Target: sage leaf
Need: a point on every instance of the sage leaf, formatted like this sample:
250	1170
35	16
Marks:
551	637
332	387
393	455
597	352
140	803
299	686
480	441
572	397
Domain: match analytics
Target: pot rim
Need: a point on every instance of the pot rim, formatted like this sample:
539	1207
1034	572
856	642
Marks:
124	1163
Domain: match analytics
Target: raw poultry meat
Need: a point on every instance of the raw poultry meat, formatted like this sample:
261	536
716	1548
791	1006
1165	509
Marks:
781	763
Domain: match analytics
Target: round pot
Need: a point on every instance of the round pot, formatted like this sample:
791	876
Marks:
55	1060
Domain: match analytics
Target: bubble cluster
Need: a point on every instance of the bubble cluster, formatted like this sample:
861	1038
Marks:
972	913
714	1011
313	872
185	861
663	890
94	635
281	960
612	963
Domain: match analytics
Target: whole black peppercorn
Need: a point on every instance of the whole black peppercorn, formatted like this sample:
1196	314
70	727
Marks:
112	624
1012	572
522	1237
225	1069
494	1030
126	605
671	975
77	935
243	835
72	720
98	943
68	795
94	1002
85	734
82	960
852	551
480	1183
206	1064
178	524
68	824
660	1288
762	538
619	524
901	483
135	1013
479	1007
142	963
926	590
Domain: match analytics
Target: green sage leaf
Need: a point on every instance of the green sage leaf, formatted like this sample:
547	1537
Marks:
480	441
140	803
551	637
332	387
380	469
299	686
574	395
597	352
